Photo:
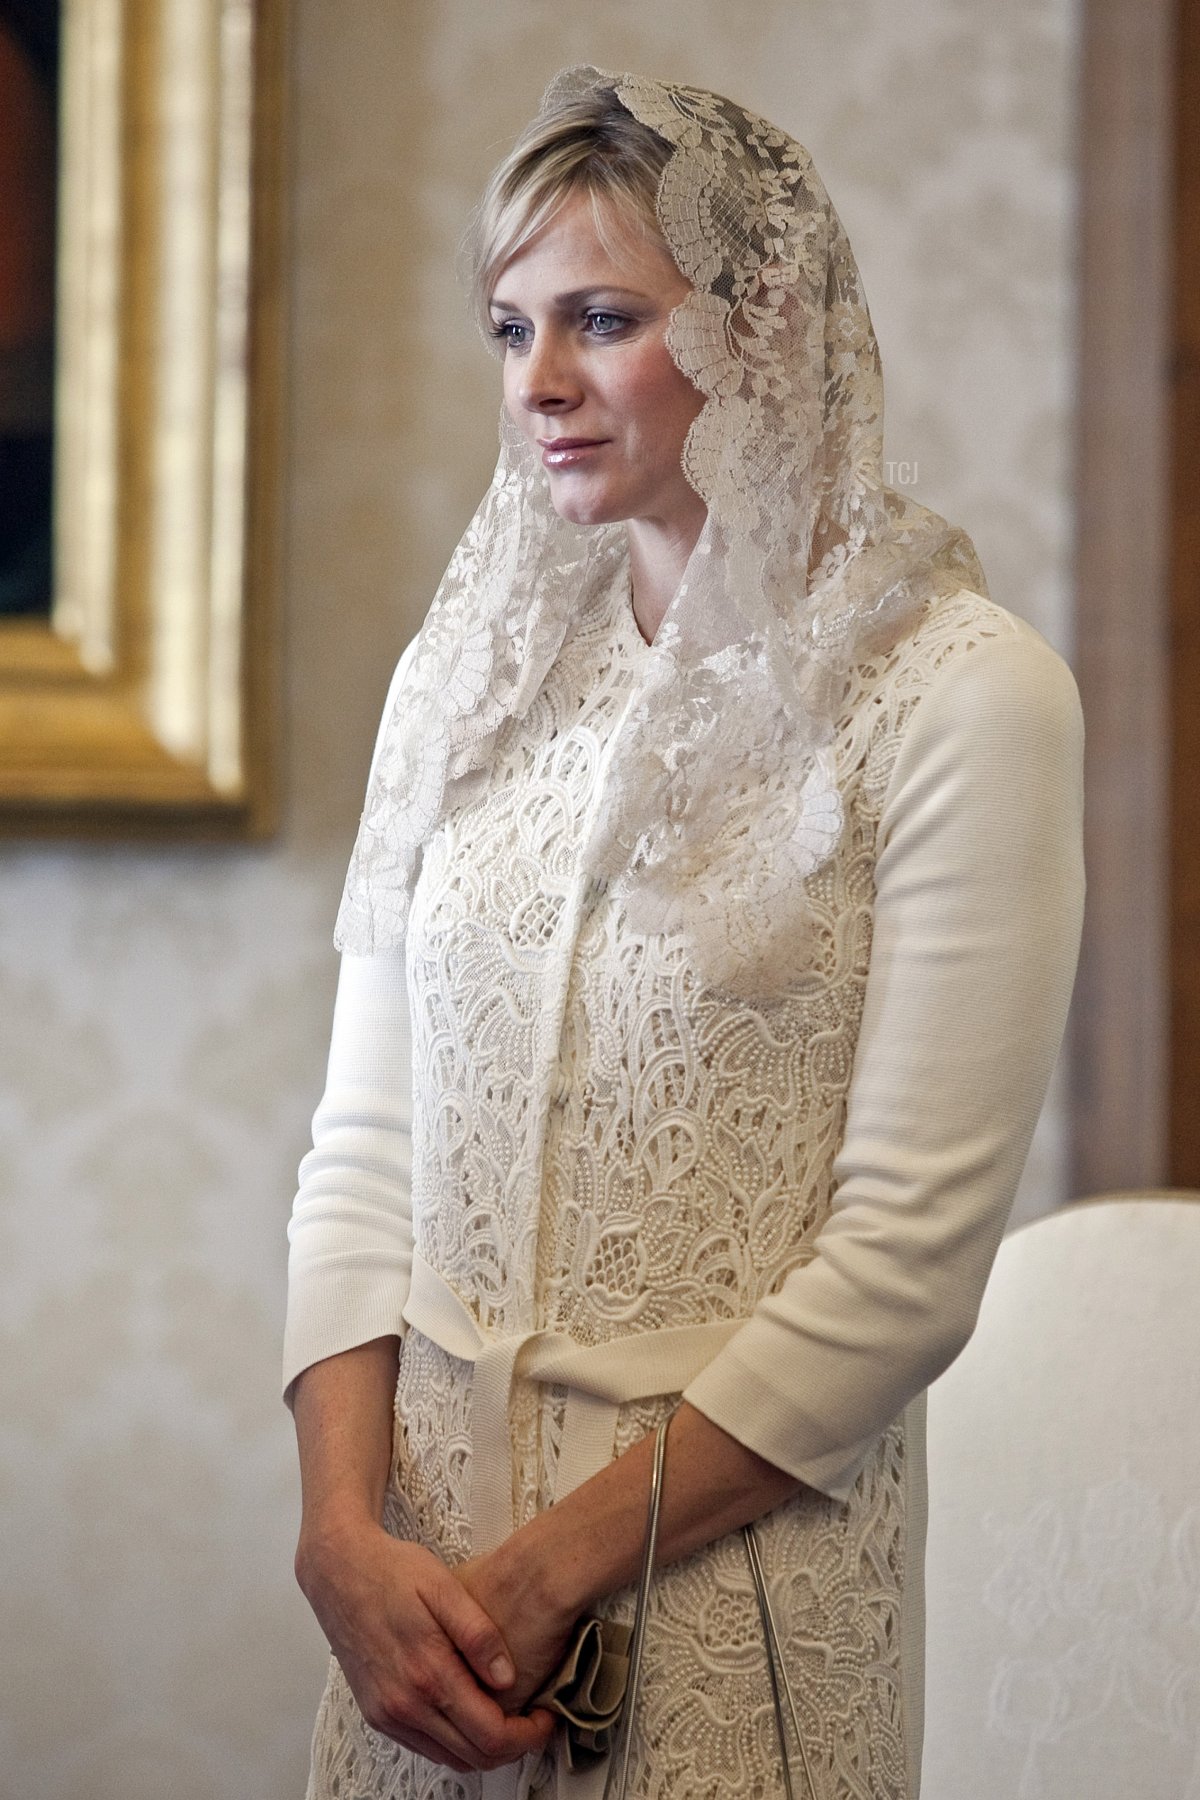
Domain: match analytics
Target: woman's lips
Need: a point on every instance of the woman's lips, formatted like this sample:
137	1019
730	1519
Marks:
565	453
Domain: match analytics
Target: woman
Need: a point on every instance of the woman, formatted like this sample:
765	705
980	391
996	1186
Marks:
709	938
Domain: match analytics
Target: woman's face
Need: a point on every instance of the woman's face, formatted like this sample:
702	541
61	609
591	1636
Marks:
588	377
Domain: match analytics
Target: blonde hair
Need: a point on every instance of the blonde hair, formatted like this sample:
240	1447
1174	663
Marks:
590	146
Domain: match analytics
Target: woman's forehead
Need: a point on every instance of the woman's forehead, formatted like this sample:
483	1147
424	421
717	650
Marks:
590	242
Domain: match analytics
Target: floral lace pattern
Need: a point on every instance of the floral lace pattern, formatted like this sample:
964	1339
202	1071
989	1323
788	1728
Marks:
1100	1604
807	561
605	1144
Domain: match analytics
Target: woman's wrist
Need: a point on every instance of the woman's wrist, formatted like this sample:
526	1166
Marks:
569	1558
331	1534
589	1544
343	1412
534	1569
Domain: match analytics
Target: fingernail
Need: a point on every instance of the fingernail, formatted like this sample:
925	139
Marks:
502	1672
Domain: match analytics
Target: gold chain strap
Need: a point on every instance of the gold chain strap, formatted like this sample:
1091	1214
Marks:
616	1787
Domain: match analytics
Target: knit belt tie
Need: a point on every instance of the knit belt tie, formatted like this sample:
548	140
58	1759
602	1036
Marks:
598	1377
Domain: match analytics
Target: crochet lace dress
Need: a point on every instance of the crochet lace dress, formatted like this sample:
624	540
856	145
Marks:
602	1147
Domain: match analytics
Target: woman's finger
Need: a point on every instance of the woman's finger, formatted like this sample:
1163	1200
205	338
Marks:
399	1623
473	1633
472	1724
410	1720
437	1698
436	1749
516	1736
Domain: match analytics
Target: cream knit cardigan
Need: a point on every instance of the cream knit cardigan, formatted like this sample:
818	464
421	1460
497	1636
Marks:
577	1184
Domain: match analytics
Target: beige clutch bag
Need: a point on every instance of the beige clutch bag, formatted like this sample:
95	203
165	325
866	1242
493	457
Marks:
588	1688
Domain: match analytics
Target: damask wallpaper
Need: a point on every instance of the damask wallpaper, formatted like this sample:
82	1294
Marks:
163	1013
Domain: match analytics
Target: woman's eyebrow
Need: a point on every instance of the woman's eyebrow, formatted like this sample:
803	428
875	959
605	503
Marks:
576	296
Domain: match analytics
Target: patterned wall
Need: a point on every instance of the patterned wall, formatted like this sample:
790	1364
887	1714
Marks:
163	1013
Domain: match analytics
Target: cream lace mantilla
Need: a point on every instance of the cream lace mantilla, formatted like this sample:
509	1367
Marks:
806	563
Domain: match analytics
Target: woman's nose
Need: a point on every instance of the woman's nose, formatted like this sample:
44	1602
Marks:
549	381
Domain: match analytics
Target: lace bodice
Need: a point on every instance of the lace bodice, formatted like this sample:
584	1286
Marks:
625	1148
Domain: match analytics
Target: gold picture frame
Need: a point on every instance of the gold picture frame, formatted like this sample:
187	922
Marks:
146	703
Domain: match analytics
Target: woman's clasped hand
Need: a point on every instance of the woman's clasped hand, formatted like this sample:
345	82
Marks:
426	1664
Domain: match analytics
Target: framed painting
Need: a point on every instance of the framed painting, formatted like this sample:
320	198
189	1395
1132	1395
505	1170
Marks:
141	209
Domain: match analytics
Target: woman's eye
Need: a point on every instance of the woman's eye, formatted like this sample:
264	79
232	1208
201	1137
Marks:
605	324
511	333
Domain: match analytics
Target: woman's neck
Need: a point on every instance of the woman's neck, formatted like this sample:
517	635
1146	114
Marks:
658	555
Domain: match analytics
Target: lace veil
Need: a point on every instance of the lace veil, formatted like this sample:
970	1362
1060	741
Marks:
807	562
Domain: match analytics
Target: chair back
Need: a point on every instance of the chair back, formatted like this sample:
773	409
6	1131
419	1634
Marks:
1063	1560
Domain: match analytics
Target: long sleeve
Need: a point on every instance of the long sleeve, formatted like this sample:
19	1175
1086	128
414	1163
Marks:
350	1235
979	899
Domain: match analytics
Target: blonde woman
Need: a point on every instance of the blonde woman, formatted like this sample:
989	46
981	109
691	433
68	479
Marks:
707	946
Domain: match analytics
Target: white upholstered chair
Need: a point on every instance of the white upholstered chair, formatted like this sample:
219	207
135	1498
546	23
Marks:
1063	1563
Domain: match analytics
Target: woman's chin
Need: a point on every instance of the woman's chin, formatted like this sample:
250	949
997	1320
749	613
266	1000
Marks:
584	509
